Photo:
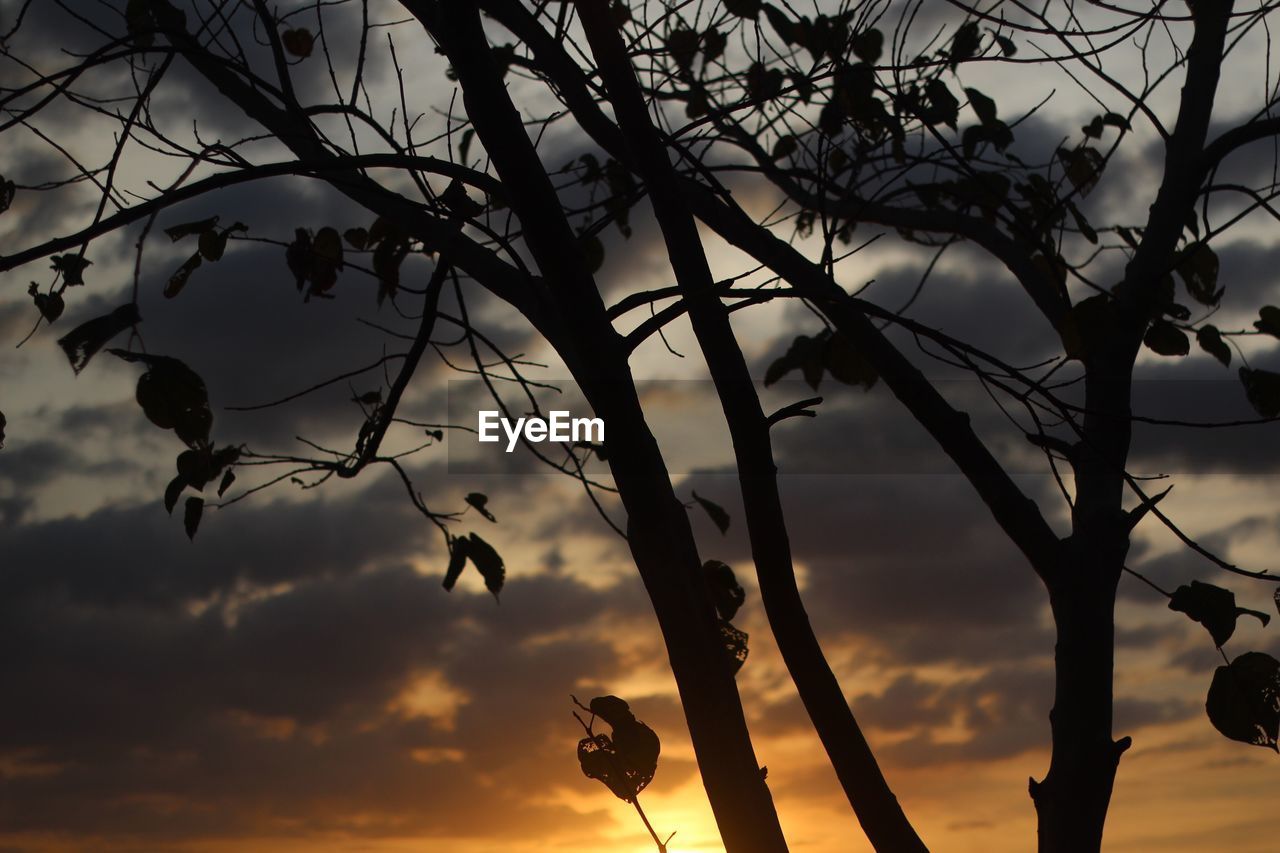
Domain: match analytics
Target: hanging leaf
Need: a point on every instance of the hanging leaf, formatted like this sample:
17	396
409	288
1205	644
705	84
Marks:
735	643
764	83
388	257
983	107
227	479
726	593
172	396
479	501
3	424
1213	607
1167	339
191	516
178	280
50	305
487	562
965	43
626	761
457	561
682	44
1086	230
1244	699
298	42
72	268
83	342
1197	266
357	238
1210	340
1269	321
190	229
1007	47
718	516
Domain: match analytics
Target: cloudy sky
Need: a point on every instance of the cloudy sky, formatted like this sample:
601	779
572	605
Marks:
298	679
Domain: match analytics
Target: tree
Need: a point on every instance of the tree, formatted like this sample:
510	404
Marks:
845	118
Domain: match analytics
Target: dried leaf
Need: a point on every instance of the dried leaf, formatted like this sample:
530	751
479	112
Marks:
487	562
190	229
83	342
716	512
1210	340
298	42
1213	607
726	593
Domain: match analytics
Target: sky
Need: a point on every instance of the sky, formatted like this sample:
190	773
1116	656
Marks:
298	679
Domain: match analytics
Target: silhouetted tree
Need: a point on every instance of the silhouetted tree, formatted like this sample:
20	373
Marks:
839	115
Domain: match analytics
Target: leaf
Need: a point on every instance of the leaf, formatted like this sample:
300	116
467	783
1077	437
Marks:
726	593
787	29
1167	339
743	8
784	147
682	44
213	244
764	83
1269	322
1262	387
735	643
456	199
1083	167
479	501
868	45
944	108
1116	120
50	305
173	396
713	44
1085	324
173	491
1086	230
717	513
487	562
190	229
965	43
387	260
805	354
625	762
1210	340
1213	607
191	516
72	268
298	42
846	365
982	106
298	256
178	280
82	343
1007	47
457	561
227	479
1197	266
3	424
1244	699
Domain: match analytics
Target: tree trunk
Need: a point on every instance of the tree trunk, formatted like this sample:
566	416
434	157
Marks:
1071	803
